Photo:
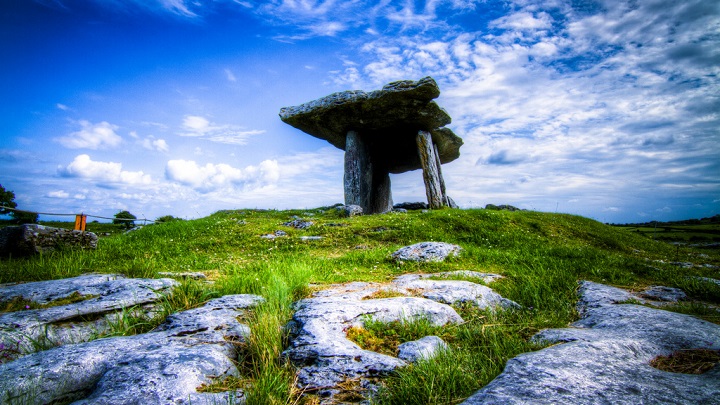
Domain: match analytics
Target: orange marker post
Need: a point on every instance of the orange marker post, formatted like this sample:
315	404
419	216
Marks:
80	221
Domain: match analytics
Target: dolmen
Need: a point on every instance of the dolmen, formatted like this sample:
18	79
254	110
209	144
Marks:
393	130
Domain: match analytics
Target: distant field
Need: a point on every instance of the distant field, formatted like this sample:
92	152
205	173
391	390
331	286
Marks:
686	233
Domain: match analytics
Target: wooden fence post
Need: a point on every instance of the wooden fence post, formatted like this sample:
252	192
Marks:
80	221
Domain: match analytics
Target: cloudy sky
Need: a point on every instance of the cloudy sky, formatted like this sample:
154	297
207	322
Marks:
607	109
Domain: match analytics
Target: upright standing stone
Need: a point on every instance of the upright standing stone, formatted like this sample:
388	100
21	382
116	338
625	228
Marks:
443	191
426	151
367	181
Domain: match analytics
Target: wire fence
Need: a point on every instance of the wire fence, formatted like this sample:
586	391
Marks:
76	215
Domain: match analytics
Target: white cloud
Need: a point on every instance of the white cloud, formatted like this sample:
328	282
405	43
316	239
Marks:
62	107
213	176
150	143
178	7
110	173
197	126
92	136
523	21
230	76
58	194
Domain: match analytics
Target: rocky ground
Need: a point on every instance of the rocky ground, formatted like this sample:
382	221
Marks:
602	358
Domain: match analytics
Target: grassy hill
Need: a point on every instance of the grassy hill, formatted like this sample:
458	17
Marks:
541	255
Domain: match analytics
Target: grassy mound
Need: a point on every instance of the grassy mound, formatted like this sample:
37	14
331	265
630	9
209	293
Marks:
542	256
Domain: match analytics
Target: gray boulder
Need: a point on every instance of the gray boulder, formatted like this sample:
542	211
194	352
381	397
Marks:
454	291
321	349
30	239
421	349
412	205
165	366
276	234
604	358
426	252
661	293
101	299
299	224
319	346
503	207
351	210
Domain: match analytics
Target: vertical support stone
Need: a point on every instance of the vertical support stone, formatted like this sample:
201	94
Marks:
443	191
357	165
366	180
426	151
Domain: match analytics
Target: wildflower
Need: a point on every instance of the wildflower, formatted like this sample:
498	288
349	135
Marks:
27	306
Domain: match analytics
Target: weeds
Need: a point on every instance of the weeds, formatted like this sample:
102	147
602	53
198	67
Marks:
21	304
691	361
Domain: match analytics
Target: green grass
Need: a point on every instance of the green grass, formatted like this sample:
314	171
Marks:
542	256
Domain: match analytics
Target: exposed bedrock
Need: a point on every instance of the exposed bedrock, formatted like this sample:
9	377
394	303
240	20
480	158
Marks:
604	358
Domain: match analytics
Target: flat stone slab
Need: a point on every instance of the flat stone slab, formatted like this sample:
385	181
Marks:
426	252
604	358
319	345
165	366
78	321
390	118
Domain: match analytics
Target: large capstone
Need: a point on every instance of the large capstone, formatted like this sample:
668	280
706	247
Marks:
389	119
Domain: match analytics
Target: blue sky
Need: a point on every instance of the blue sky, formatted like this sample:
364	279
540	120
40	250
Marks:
607	109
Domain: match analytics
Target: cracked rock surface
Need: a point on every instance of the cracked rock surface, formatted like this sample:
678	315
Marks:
604	358
319	345
107	295
426	252
165	366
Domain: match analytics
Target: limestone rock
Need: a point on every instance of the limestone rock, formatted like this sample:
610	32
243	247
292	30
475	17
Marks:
319	346
503	207
454	291
412	206
426	252
660	293
299	224
77	321
29	239
605	356
324	354
351	210
276	234
424	348
165	366
389	118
